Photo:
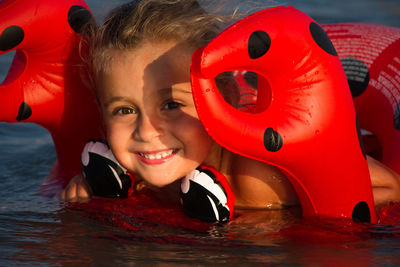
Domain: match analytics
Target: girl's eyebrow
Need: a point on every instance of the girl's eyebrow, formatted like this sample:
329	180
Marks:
116	99
174	89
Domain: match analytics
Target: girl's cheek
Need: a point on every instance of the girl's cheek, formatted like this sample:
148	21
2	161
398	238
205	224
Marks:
115	137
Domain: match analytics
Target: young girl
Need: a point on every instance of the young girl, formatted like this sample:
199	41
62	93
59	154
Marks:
140	60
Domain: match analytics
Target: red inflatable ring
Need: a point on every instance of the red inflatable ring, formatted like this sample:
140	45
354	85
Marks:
44	84
306	124
370	55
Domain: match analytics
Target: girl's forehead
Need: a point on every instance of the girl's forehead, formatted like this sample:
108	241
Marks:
162	65
168	49
159	59
167	52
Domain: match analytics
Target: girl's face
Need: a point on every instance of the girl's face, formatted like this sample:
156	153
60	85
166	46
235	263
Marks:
152	124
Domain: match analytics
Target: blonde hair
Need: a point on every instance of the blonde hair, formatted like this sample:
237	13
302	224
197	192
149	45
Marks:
128	25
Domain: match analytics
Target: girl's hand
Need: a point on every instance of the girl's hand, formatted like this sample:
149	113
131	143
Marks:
385	184
77	190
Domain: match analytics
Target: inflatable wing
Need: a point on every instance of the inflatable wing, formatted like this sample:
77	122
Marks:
45	84
304	120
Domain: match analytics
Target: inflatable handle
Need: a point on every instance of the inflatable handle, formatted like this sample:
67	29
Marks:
44	84
309	128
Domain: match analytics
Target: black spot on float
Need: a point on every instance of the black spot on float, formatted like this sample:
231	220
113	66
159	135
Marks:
259	43
357	74
251	79
78	18
322	39
396	117
361	212
11	37
360	139
272	140
24	112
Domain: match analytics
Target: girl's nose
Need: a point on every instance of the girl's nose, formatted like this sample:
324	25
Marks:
147	128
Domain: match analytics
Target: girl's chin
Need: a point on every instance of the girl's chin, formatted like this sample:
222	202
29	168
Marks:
163	176
159	182
160	185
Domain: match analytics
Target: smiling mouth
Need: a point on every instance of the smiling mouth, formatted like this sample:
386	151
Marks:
157	157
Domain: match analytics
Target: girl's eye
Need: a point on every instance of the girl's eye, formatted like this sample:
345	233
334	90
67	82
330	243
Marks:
124	111
172	105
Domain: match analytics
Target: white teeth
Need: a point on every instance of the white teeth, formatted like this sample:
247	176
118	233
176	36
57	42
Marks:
157	155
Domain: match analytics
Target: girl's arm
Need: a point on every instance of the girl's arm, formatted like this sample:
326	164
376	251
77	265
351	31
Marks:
77	190
259	185
385	183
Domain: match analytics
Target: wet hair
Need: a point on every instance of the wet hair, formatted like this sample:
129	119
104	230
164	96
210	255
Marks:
128	25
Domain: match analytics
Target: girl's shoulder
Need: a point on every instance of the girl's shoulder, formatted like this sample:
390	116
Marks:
257	184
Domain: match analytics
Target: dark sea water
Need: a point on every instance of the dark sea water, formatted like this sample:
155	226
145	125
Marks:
38	231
